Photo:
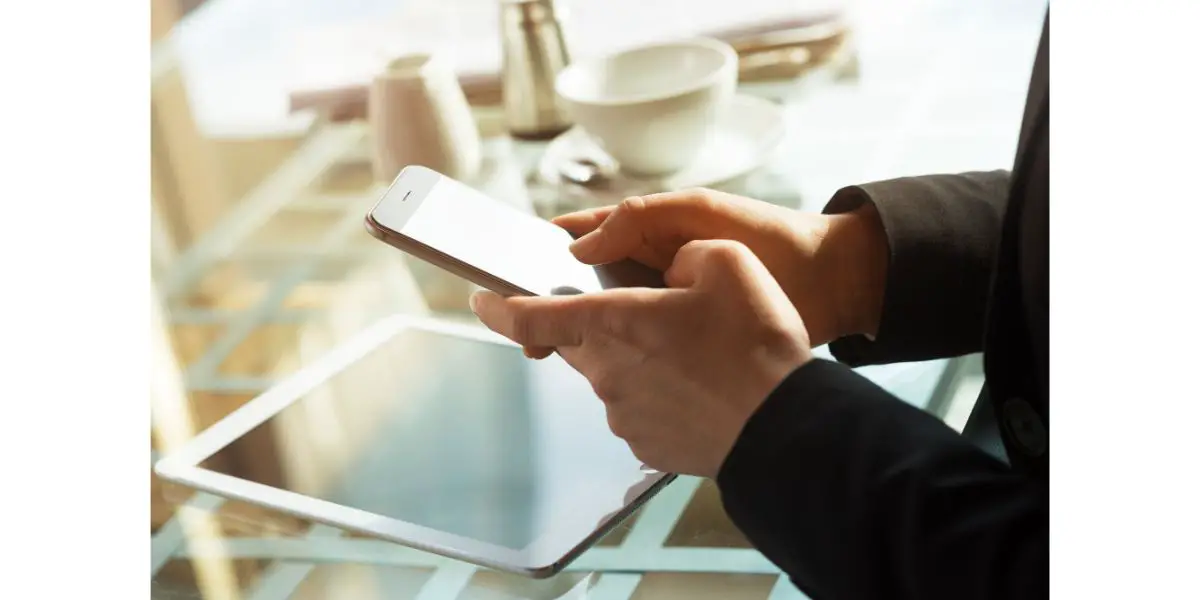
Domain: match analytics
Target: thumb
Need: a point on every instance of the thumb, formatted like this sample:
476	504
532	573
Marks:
534	321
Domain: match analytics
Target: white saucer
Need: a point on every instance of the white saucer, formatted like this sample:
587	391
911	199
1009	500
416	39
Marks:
743	140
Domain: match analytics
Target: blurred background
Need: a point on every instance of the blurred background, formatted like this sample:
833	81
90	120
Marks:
262	170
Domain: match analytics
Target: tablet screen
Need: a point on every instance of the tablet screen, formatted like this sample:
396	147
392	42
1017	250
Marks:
458	435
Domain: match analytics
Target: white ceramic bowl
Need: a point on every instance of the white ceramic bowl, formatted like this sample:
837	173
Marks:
651	108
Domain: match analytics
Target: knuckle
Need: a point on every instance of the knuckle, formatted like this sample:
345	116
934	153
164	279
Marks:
613	319
704	198
723	252
696	247
606	386
632	205
522	327
728	252
616	424
643	453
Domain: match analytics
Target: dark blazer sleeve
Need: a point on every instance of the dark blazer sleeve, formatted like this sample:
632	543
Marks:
855	494
943	232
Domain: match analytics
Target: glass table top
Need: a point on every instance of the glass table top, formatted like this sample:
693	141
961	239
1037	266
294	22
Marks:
287	273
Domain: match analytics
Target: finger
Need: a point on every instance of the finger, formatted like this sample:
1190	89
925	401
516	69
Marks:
537	353
651	228
541	321
617	237
702	260
584	221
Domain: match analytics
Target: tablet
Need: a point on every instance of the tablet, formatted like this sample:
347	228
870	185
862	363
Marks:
434	435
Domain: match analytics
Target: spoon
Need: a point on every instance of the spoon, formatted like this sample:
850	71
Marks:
582	171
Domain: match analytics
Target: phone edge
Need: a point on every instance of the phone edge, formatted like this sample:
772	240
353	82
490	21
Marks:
441	260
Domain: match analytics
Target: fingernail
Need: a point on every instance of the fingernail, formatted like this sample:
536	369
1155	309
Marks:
474	302
585	244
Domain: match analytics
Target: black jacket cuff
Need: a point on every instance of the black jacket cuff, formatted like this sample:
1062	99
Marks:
941	233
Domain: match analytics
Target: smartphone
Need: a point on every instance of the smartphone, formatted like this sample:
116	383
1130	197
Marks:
489	243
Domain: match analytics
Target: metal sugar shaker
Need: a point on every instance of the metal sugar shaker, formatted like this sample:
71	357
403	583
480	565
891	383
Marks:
534	52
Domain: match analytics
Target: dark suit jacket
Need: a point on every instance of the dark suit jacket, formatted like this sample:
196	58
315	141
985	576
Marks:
855	494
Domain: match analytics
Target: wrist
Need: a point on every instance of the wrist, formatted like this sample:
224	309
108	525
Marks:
857	256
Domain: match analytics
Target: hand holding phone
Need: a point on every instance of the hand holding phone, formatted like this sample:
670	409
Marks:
491	244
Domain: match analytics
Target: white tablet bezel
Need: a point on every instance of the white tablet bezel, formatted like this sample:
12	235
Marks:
564	539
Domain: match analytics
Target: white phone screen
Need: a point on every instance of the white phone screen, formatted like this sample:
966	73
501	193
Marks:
516	247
